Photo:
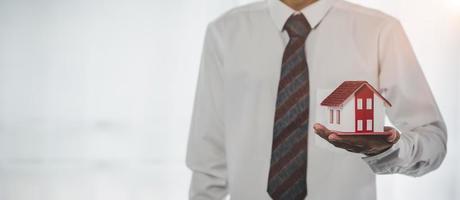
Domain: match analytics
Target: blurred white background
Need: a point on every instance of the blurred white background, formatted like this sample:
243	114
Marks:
96	95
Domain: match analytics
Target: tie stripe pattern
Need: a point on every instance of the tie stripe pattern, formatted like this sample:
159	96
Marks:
288	165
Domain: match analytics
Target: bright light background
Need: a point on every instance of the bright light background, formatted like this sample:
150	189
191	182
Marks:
96	95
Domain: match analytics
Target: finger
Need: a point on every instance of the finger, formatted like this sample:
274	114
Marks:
322	131
348	147
387	128
354	144
343	139
350	140
394	135
396	138
334	137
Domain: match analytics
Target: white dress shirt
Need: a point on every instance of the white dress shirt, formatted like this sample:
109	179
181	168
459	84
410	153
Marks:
231	131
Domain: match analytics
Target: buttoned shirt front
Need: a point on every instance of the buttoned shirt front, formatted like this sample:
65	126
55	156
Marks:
231	130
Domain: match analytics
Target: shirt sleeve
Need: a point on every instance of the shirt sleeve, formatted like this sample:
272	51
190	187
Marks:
422	146
205	148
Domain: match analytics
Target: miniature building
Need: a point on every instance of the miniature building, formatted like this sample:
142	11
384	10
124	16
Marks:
355	107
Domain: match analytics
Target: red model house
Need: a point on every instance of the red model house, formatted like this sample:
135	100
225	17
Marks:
355	108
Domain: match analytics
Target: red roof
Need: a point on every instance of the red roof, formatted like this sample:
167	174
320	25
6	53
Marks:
345	90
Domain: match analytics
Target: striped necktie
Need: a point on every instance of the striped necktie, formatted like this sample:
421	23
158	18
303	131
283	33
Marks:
288	166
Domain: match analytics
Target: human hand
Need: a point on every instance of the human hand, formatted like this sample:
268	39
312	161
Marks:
369	145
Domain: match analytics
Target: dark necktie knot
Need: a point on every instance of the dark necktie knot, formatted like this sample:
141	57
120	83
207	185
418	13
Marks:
297	26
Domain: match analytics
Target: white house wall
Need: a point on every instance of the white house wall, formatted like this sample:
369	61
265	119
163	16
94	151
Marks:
379	113
348	116
334	125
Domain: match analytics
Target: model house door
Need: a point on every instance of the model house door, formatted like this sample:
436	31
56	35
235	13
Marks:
364	110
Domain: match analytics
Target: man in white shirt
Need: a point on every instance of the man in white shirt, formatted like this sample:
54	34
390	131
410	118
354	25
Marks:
232	128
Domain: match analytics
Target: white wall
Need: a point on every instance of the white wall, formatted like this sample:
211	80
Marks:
96	95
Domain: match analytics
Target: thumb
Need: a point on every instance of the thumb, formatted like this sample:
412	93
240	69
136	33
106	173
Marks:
393	135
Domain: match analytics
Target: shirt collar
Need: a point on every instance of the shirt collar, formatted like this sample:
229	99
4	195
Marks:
314	13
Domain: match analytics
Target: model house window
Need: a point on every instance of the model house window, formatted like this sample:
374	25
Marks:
369	125
338	116
369	103
360	104
331	116
360	125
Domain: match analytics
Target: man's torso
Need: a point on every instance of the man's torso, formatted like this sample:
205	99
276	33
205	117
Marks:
344	46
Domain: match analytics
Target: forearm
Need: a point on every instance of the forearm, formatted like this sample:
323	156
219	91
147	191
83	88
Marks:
419	151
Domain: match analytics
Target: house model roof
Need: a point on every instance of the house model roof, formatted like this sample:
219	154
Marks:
342	93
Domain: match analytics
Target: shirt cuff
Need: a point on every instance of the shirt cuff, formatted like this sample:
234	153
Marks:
383	163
